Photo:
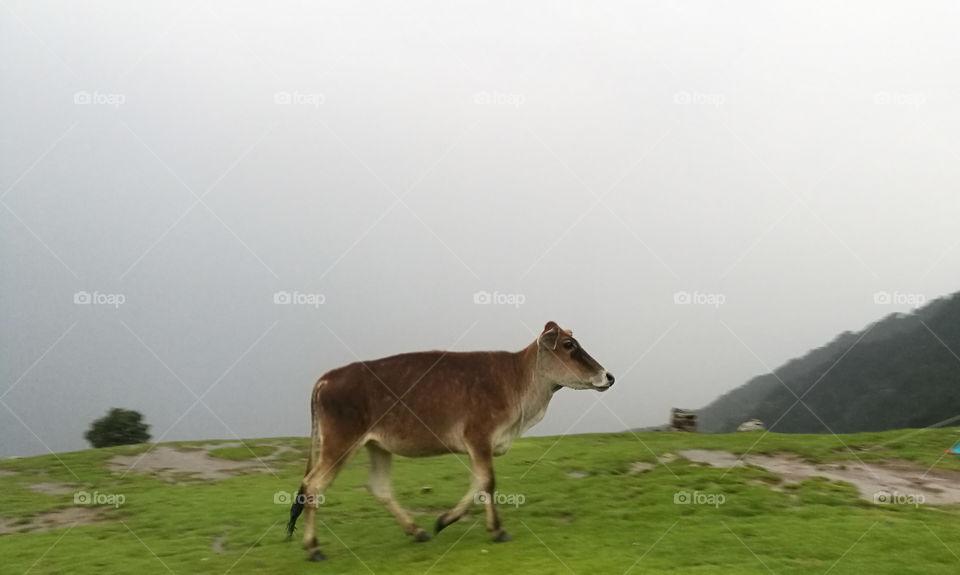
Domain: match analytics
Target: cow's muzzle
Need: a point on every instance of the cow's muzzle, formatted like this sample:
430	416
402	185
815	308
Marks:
606	381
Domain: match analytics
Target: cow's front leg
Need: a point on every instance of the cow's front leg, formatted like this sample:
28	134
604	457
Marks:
482	457
481	491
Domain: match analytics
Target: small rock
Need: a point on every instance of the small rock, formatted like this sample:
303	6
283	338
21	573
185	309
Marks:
751	425
640	466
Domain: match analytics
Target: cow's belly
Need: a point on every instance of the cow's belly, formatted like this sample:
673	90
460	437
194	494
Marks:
416	446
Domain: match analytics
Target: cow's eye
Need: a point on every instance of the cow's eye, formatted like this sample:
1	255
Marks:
569	345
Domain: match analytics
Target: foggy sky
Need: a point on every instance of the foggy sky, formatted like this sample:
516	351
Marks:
780	162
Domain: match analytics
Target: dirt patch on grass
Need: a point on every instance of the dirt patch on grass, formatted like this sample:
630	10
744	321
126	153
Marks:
667	458
212	446
7	473
52	488
66	517
896	479
174	465
713	457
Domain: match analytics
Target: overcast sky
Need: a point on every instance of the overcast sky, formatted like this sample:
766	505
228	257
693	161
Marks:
773	164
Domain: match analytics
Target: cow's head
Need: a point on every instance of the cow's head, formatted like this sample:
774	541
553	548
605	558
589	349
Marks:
561	361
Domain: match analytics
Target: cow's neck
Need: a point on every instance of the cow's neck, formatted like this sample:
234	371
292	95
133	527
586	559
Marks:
529	395
535	392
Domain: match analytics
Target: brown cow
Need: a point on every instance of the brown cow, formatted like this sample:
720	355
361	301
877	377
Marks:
430	403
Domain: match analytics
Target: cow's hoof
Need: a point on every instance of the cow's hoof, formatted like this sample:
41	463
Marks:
316	556
310	545
440	524
421	536
502	537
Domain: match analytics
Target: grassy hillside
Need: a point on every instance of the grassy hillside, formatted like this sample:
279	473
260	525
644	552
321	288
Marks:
587	508
901	371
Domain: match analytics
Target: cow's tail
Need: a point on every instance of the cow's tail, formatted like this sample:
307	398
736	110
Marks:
295	510
316	440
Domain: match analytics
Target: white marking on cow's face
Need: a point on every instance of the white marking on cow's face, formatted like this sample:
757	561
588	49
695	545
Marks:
601	382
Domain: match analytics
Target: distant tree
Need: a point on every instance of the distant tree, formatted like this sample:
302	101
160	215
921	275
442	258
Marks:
118	427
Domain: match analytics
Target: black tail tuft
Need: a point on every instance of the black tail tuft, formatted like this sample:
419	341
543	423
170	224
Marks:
295	510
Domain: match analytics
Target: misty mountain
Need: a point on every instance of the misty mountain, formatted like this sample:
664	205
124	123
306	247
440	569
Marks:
902	371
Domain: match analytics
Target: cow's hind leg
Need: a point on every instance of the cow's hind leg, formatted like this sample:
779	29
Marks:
332	459
380	463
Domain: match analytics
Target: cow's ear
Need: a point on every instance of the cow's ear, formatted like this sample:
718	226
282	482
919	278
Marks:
550	335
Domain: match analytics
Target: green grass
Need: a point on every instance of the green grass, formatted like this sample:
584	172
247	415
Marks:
608	521
251	451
